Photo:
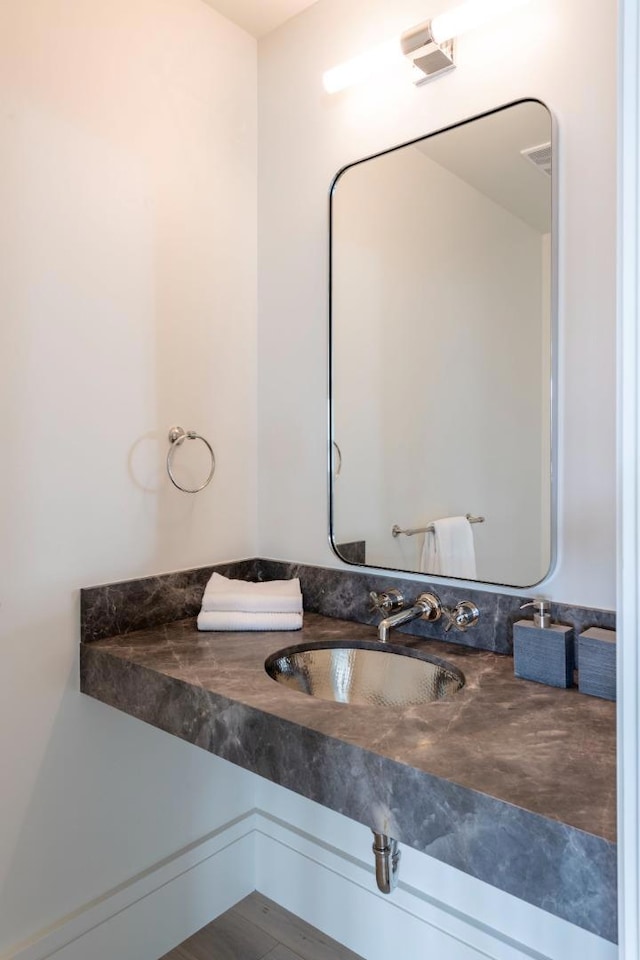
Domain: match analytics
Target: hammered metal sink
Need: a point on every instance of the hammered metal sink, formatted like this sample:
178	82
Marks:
364	672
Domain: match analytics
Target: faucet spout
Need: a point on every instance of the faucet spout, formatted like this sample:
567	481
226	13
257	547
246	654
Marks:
426	607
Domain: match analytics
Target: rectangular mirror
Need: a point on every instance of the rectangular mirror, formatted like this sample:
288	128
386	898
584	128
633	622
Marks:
442	346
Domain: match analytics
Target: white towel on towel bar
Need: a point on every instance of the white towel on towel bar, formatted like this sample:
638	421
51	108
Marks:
449	551
229	620
244	596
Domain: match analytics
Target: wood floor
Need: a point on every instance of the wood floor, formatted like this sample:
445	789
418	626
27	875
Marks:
258	929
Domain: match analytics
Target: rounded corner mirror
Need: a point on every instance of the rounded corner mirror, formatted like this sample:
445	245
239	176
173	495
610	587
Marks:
443	339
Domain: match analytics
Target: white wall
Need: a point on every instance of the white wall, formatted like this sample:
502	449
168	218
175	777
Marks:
543	50
437	366
127	297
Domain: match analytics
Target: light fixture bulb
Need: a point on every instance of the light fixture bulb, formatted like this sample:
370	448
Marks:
374	61
429	45
468	16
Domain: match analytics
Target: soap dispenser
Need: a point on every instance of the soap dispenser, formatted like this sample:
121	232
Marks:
543	651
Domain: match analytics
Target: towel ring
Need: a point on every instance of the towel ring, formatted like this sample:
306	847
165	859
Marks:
176	437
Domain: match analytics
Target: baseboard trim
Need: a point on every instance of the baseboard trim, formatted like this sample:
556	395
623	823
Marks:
138	908
327	887
410	923
345	886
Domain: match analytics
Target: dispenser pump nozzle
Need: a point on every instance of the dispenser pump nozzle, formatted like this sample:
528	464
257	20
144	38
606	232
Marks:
541	612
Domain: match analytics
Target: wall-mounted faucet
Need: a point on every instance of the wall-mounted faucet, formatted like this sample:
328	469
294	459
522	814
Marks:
427	607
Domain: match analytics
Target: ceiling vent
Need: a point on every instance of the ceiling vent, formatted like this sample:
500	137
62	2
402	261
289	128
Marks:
539	156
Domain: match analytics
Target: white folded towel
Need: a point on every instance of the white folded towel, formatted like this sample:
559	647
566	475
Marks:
246	603
270	596
231	621
449	551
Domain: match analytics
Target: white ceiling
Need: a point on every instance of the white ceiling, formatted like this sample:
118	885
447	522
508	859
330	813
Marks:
259	16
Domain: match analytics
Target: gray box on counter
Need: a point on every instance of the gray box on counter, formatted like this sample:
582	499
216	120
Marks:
543	654
597	659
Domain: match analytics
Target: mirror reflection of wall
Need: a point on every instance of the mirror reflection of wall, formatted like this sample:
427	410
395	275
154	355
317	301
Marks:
441	347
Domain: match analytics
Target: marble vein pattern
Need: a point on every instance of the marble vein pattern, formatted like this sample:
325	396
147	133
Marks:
510	781
344	593
120	608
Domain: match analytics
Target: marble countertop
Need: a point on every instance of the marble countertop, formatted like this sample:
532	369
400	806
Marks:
511	781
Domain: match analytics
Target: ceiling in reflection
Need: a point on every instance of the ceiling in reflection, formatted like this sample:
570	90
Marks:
259	17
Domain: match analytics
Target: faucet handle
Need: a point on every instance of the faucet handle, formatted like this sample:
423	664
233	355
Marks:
464	615
386	602
431	606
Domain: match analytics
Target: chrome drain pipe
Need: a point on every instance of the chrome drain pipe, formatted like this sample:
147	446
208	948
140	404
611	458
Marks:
387	856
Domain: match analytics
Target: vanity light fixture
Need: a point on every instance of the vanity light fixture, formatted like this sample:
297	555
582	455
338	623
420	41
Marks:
428	45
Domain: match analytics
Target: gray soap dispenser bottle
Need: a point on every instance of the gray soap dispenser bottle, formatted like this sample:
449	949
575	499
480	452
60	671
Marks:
542	650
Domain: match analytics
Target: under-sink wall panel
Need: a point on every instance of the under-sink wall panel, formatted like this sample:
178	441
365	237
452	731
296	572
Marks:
319	865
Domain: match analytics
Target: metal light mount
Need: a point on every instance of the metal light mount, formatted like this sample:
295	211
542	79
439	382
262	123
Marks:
431	59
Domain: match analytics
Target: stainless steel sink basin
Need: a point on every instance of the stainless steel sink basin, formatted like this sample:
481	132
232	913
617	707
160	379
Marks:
364	672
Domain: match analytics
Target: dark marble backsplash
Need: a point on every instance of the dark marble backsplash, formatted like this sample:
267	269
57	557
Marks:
353	552
120	608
